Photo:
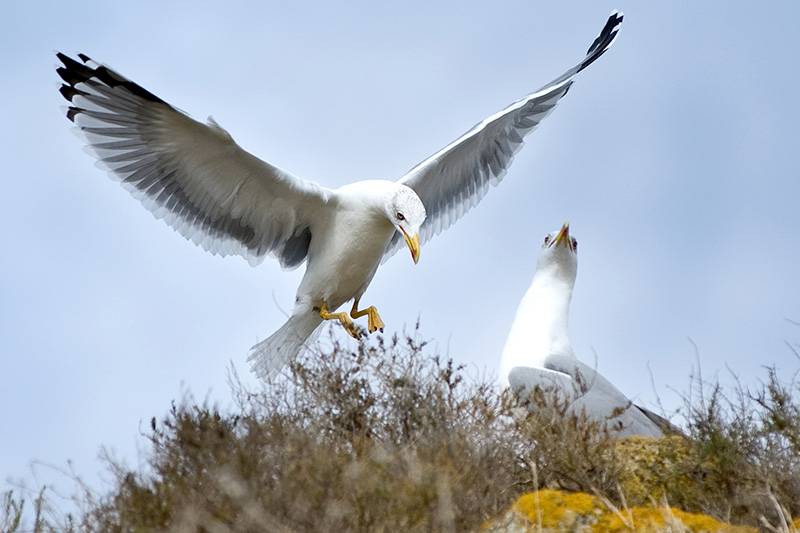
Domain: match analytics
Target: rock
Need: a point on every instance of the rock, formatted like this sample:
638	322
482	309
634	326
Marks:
654	469
554	510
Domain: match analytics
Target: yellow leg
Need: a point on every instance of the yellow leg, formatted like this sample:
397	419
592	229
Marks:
374	322
342	317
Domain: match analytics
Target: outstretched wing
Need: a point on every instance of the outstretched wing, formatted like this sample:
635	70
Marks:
192	175
457	177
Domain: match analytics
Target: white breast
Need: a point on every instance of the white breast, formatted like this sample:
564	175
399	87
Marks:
346	257
540	328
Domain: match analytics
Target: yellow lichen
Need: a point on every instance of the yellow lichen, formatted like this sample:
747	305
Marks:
649	466
554	510
655	519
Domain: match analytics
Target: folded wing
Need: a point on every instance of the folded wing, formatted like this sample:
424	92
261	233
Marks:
589	393
457	177
192	175
605	401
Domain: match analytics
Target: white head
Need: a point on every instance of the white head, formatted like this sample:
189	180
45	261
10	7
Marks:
406	212
559	256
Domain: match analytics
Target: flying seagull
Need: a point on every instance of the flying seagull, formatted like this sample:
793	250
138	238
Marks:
219	196
538	352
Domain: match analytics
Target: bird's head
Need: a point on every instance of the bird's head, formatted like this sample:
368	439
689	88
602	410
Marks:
559	257
407	213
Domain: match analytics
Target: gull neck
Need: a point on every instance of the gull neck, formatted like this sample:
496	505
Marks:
541	325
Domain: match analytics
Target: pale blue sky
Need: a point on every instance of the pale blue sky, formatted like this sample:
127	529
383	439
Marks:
674	157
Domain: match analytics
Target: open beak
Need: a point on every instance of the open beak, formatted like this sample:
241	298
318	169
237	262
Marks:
413	245
562	238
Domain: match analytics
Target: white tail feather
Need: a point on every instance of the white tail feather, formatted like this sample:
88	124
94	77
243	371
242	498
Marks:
269	356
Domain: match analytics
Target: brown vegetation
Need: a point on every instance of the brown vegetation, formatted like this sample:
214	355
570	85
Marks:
389	437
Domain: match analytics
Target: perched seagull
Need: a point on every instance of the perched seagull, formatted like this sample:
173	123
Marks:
538	352
211	191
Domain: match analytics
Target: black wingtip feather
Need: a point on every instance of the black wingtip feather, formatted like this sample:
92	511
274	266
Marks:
72	111
69	92
70	63
604	40
614	20
74	73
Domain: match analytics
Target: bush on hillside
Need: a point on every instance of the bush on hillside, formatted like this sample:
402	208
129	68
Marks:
390	436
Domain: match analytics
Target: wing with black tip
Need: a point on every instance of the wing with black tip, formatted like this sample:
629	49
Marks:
193	175
457	177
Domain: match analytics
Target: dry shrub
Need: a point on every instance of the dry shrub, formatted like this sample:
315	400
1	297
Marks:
744	450
571	451
378	438
11	512
390	437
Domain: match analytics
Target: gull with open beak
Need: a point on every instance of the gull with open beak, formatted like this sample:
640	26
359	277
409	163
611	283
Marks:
211	191
538	351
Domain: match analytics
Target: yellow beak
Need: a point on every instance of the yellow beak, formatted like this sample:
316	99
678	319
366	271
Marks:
413	245
563	237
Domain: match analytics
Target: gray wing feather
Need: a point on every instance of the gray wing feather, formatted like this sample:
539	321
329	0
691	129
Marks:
192	175
663	424
457	177
603	400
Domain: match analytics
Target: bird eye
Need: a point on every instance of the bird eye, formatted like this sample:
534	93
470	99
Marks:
547	239
575	244
400	216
